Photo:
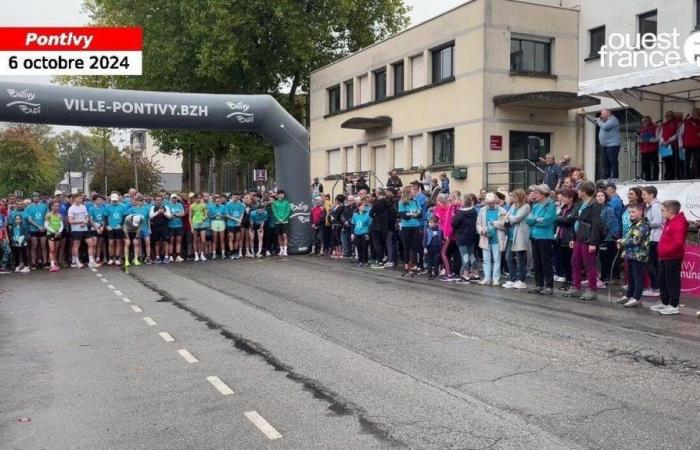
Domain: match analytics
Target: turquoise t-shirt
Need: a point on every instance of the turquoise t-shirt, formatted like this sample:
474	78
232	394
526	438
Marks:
491	216
362	223
144	212
411	206
217	212
234	209
175	222
258	216
37	211
97	214
115	215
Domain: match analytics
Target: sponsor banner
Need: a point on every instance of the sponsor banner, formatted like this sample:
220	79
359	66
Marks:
686	192
71	51
690	271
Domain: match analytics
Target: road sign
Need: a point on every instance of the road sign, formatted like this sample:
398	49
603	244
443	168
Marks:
260	175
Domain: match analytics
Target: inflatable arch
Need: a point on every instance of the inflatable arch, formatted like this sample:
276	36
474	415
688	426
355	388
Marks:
64	105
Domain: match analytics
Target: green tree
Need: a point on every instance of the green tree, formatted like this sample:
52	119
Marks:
28	160
78	152
240	46
122	172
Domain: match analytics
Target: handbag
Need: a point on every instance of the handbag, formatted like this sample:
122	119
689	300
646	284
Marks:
665	150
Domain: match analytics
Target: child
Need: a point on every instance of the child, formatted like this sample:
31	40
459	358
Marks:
444	184
20	235
4	243
636	246
361	222
53	223
671	252
318	219
432	243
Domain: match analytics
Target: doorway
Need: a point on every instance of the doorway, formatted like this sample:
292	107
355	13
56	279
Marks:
525	151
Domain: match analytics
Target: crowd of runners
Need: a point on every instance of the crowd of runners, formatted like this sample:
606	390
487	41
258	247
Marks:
570	240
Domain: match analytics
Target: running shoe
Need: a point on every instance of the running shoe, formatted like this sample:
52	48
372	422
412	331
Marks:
520	285
179	259
117	262
669	311
25	269
651	293
110	262
658	306
509	285
54	268
631	303
93	265
485	281
137	262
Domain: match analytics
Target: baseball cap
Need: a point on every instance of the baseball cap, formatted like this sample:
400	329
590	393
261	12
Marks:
174	196
114	197
137	220
57	192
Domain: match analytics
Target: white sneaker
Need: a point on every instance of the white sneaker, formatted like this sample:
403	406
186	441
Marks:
77	265
179	258
650	293
213	256
496	283
93	265
196	257
268	254
110	262
658	306
508	285
600	285
117	262
18	269
669	311
258	255
520	285
558	279
25	269
485	281
631	303
622	300
624	287
202	257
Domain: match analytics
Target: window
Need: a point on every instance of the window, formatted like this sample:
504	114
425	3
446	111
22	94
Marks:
364	89
596	37
334	162
380	84
647	23
398	78
334	99
417	153
418	71
350	94
697	14
530	56
443	147
399	154
442	64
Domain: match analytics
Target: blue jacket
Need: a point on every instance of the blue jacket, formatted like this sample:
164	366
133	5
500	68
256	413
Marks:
541	220
609	133
362	222
432	238
611	224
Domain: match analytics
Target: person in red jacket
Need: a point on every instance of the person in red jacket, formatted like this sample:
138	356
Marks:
669	136
689	139
649	149
671	252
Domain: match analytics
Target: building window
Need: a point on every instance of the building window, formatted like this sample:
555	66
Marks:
380	84
596	36
442	64
647	23
334	162
697	14
443	147
398	78
530	56
350	93
334	99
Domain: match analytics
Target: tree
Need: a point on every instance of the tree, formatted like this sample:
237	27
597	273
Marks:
78	152
122	170
28	160
240	46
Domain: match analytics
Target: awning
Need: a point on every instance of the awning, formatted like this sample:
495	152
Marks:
367	123
546	100
681	82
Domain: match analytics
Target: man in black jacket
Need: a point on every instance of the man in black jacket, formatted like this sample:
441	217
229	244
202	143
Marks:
380	223
587	234
346	219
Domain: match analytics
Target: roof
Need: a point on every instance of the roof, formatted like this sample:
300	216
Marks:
546	100
681	82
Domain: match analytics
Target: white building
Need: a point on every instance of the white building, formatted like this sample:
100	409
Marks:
170	165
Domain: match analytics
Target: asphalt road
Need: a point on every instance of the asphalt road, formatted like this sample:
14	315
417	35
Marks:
319	354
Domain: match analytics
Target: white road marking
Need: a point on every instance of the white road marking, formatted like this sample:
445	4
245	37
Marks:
220	385
111	286
263	425
188	356
136	308
126	300
94	270
166	336
118	293
99	275
149	321
475	338
105	280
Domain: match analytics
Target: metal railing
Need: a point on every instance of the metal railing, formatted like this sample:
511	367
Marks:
514	173
370	176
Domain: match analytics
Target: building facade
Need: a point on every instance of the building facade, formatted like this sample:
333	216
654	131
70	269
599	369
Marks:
487	82
170	165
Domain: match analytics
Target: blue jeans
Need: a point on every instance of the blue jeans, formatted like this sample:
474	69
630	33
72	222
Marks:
492	262
517	263
611	167
466	252
6	252
345	242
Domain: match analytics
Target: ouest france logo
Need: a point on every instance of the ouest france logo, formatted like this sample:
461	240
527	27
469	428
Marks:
650	50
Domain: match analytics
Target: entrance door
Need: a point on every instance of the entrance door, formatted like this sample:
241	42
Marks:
526	147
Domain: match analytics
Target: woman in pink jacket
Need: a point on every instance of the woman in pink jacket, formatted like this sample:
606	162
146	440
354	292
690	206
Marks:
445	209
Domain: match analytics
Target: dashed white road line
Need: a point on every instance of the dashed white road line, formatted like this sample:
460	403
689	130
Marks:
220	385
94	270
118	293
104	280
136	308
187	356
149	321
263	425
111	286
99	275
126	300
166	336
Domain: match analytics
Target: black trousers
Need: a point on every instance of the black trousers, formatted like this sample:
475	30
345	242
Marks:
542	262
635	280
379	244
650	166
692	154
565	254
433	261
411	239
362	244
653	265
670	281
671	166
607	252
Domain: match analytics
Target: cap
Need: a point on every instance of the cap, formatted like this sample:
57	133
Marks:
190	195
174	196
57	192
137	220
114	197
35	194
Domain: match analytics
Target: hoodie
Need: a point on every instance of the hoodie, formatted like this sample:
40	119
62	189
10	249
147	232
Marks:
464	226
672	242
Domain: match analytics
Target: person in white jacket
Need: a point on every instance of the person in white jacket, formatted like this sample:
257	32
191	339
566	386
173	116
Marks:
492	239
